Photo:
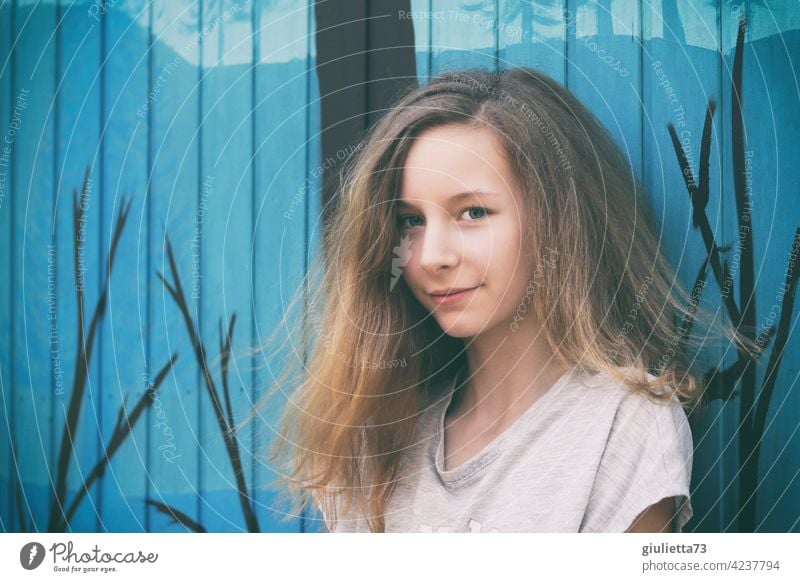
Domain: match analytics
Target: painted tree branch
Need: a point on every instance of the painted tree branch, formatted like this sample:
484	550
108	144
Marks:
177	516
58	520
224	417
752	409
122	429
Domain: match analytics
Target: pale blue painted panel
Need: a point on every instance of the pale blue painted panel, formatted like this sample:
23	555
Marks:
421	15
533	34
33	163
604	56
772	132
78	132
677	82
173	106
125	169
729	449
286	154
226	231
7	468
462	35
313	521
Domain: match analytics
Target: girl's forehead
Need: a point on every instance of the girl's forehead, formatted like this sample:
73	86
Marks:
453	159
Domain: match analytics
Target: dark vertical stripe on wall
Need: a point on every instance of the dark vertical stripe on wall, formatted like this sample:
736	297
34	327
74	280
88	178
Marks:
641	98
149	259
368	16
390	56
723	429
254	27
198	374
51	453
722	445
567	11
365	58
101	267
340	40
496	35
307	161
13	467
430	41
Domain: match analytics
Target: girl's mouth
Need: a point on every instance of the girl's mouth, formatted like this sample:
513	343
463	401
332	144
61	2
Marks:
452	297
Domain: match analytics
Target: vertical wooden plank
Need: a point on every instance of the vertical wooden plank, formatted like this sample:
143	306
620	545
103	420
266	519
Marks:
341	38
730	448
125	170
78	131
173	106
677	81
603	71
421	15
32	224
462	35
7	468
284	185
226	197
769	101
313	521
533	34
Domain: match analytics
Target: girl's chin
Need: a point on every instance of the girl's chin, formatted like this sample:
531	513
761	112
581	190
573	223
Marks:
460	329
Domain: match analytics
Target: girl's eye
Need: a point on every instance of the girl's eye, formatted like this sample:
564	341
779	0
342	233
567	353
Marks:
472	213
480	210
401	220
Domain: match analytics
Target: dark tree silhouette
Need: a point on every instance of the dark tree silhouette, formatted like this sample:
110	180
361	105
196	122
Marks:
223	410
60	513
753	407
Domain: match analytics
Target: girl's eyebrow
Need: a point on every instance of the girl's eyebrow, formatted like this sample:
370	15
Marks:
455	197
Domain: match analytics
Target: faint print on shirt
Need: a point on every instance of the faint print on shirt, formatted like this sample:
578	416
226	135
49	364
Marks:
473	527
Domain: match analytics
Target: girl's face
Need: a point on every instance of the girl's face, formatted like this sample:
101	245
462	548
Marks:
461	210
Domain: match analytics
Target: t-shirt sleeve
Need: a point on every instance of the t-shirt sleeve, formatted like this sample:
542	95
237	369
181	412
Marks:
648	457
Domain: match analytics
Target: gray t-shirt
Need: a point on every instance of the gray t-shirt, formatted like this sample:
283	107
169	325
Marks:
588	456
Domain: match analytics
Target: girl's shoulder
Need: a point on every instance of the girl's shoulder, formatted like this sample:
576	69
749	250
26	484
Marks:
605	384
624	412
637	415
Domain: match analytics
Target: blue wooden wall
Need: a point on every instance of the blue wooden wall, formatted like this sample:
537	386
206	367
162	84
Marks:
207	116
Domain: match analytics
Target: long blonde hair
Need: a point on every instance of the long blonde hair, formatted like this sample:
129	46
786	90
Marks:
367	358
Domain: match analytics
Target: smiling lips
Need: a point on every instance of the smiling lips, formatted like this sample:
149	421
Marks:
452	295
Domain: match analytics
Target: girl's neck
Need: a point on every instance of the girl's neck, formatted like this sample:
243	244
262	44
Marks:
508	371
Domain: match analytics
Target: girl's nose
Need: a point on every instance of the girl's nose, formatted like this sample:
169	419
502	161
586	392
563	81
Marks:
441	246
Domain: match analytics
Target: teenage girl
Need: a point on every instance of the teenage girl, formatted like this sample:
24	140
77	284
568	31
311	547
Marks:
498	342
